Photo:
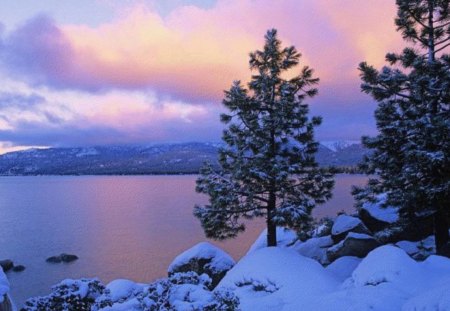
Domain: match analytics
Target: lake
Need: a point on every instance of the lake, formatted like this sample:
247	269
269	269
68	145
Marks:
120	226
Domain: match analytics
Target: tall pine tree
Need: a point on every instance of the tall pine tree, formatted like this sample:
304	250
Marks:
411	153
268	168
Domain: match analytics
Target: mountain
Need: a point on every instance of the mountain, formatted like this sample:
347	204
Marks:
181	158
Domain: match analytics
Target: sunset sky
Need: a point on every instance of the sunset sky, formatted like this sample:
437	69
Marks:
95	72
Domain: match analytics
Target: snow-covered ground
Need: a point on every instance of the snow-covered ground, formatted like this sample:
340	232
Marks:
387	279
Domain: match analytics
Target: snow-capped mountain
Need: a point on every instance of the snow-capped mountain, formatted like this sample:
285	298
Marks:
335	145
153	159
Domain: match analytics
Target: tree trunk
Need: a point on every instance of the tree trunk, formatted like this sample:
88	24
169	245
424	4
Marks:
441	235
271	227
431	47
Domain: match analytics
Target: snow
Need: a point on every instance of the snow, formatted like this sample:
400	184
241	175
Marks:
344	223
87	152
285	237
384	264
408	246
387	279
387	214
335	145
315	248
295	278
122	289
220	261
342	268
4	285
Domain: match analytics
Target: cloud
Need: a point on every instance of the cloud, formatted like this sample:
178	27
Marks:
146	76
20	101
194	53
99	119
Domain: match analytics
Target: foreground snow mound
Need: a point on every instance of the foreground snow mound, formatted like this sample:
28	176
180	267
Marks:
342	268
203	258
385	264
277	278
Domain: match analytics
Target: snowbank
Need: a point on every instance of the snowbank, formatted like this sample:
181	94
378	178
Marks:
387	279
277	278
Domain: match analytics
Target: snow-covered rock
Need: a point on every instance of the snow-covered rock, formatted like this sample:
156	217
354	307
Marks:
345	224
277	278
122	289
203	258
285	237
4	285
376	217
5	301
315	248
418	250
354	244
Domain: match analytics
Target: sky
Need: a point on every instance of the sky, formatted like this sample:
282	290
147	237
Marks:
110	72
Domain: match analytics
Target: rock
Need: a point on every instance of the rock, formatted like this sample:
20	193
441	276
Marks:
345	224
354	244
68	257
18	268
203	258
386	224
62	258
54	259
6	265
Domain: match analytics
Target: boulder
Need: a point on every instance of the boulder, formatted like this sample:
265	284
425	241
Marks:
62	258
54	259
345	224
6	264
354	244
18	268
68	257
203	258
376	217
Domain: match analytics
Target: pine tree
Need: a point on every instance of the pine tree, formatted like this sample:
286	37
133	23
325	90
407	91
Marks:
411	153
268	168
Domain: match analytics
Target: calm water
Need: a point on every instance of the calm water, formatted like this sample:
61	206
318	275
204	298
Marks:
120	226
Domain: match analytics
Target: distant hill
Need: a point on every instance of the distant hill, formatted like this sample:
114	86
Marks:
180	158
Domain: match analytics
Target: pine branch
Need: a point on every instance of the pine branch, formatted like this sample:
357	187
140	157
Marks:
441	48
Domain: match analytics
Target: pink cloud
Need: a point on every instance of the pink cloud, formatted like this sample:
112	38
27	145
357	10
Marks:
195	53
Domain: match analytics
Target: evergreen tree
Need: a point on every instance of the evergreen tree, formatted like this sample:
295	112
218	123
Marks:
411	153
268	167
